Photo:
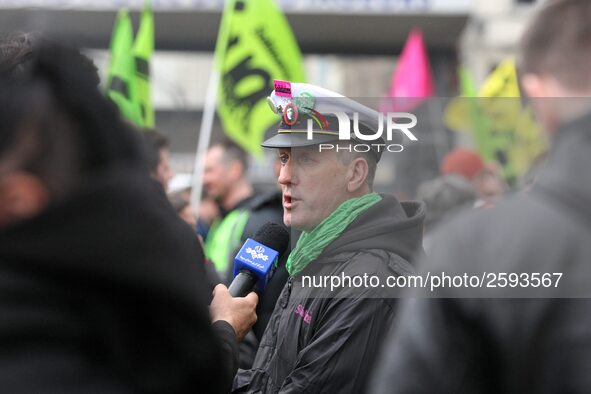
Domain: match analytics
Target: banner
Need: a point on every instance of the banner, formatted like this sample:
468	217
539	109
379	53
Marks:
121	86
479	124
412	80
516	138
504	129
255	46
142	51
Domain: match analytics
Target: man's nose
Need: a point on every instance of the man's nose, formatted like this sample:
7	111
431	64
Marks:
285	176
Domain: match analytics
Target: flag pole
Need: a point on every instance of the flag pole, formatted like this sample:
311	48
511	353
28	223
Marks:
210	105
204	136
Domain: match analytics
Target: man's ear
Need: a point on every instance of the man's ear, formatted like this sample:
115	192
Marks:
357	175
543	90
22	196
235	170
533	85
546	85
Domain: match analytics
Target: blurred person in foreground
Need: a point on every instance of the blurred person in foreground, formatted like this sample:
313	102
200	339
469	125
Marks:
318	341
533	342
99	286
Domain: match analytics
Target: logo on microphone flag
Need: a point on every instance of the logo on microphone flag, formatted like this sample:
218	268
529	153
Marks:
257	253
258	259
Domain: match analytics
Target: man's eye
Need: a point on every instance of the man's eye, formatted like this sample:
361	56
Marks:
283	159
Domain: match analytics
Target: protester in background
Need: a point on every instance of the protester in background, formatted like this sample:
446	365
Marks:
225	180
243	211
445	197
180	187
209	211
484	177
183	208
99	286
158	151
527	344
327	344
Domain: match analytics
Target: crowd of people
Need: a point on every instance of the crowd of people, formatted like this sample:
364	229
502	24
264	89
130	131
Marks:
109	282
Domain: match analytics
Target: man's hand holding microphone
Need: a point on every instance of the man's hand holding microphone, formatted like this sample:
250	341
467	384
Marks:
239	312
254	266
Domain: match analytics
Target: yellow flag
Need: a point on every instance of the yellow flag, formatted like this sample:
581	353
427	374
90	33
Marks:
504	129
502	82
515	136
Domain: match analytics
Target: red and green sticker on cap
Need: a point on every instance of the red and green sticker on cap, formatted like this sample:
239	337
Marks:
304	104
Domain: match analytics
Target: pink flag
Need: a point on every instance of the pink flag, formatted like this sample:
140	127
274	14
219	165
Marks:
412	81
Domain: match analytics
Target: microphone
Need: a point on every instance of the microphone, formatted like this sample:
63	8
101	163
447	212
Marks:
255	263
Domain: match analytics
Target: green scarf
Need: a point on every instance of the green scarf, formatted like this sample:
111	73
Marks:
312	243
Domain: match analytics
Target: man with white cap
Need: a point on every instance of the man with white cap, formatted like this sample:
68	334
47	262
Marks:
325	339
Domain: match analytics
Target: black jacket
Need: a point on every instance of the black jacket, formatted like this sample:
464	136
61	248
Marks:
105	292
325	343
499	345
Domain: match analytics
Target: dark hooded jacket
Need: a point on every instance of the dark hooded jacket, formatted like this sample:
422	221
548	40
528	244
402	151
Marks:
105	292
325	342
482	341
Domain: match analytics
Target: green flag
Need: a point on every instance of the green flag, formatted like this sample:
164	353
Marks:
142	51
466	83
255	46
121	87
479	123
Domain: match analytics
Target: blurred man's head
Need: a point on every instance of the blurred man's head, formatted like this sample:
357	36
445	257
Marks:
57	129
445	196
468	164
225	176
158	147
17	55
555	54
16	51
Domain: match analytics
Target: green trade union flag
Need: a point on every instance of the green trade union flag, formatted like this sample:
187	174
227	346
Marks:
121	86
142	51
255	46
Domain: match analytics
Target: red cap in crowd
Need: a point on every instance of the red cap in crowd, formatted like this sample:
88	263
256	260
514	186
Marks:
462	161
